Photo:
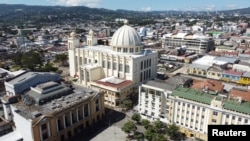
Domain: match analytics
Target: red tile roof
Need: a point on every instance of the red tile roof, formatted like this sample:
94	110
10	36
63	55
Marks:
210	84
233	72
244	94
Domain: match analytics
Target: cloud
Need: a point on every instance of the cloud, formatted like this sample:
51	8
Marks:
209	7
146	8
89	3
232	6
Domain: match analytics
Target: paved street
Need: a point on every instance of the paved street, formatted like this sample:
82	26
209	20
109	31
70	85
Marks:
113	133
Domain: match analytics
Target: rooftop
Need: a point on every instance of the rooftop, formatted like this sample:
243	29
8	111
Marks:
232	72
79	95
243	93
209	85
204	67
161	84
25	76
243	107
226	47
108	50
194	95
114	82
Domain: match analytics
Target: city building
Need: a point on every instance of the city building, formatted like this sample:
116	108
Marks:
53	111
192	42
25	80
117	69
192	110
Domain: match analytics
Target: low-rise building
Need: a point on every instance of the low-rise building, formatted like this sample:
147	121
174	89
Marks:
25	80
199	70
51	111
239	94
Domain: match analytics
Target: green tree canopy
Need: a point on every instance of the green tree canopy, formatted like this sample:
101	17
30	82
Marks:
173	131
145	123
136	117
61	58
159	137
149	133
129	126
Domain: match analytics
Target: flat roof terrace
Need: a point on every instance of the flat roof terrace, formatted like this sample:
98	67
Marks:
55	106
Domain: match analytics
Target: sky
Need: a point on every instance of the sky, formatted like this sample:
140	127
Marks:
142	5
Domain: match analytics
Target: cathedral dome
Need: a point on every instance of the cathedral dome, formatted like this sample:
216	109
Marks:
126	36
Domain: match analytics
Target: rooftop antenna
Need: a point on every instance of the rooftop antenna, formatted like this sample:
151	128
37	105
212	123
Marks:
28	101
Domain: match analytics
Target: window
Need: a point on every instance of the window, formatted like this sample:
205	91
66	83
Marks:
45	136
109	65
227	116
127	68
213	120
141	65
233	117
239	119
120	67
44	126
114	66
246	121
215	113
141	77
103	64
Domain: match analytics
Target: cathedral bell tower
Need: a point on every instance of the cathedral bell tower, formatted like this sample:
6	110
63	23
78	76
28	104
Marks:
73	43
91	38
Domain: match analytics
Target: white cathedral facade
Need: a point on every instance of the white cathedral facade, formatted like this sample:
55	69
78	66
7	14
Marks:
116	69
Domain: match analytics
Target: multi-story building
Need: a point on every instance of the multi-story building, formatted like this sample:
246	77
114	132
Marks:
52	111
192	42
118	69
193	110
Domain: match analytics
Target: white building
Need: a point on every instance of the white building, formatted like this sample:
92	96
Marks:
198	43
191	109
118	69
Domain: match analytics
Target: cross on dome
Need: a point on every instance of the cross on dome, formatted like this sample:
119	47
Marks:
126	22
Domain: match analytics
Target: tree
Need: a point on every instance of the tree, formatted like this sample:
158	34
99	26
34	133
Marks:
129	126
128	103
31	60
61	58
138	136
173	131
159	127
149	133
17	58
136	117
145	123
159	137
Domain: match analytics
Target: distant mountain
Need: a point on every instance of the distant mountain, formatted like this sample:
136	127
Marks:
18	13
240	11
